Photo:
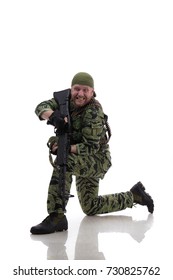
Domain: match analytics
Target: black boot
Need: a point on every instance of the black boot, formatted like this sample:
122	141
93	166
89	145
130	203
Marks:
141	197
52	223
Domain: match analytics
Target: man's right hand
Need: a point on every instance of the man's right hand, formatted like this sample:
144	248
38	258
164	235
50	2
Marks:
58	121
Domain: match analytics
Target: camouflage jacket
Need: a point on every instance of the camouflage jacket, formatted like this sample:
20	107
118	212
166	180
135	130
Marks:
88	126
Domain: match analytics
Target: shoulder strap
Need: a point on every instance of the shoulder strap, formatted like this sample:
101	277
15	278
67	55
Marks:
108	129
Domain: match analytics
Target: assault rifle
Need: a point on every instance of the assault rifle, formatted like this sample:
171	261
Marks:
62	99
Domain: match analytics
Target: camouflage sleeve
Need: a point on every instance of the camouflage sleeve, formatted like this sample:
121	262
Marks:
92	130
45	106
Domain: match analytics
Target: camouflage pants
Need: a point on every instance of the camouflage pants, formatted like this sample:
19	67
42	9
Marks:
88	171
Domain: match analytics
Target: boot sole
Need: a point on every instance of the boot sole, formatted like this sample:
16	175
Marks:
147	197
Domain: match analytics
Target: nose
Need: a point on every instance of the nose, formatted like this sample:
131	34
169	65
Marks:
80	92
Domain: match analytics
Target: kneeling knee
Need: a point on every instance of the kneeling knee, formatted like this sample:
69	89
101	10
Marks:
88	211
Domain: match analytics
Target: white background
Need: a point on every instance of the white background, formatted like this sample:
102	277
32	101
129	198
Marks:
127	47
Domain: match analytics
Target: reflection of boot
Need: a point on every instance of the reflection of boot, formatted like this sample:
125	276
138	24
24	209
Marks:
87	241
55	243
141	197
124	224
137	229
52	223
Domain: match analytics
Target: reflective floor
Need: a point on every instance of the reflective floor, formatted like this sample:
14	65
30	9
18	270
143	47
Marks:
129	238
132	237
97	237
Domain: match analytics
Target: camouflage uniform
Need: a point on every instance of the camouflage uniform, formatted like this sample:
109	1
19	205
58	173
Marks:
89	165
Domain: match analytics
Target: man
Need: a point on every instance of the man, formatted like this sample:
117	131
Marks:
88	160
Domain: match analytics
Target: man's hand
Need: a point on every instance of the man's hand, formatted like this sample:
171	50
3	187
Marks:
53	145
54	148
59	121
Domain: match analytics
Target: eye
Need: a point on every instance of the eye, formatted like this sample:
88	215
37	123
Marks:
76	88
85	90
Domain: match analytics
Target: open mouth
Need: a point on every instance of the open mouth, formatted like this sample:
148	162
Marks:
80	99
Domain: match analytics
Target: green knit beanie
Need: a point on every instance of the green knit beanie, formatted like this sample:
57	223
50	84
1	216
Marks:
83	78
